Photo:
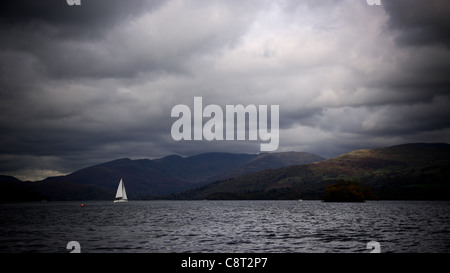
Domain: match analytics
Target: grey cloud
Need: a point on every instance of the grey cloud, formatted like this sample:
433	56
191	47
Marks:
420	22
123	38
83	85
63	21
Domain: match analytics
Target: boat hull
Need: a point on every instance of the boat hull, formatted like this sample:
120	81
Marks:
121	201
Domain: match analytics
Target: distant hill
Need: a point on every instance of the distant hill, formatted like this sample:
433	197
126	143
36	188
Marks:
409	171
14	190
145	178
270	161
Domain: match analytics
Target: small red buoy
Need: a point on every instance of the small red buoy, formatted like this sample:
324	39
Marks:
82	205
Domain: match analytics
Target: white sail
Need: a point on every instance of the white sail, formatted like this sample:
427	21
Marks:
119	189
124	192
121	194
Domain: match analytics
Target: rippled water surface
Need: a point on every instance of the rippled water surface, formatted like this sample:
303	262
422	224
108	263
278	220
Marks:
226	226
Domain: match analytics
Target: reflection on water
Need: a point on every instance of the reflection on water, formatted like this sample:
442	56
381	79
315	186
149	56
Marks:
226	226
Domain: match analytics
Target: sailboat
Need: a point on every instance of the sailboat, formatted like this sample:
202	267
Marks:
121	195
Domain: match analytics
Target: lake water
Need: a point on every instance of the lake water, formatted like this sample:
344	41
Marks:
226	226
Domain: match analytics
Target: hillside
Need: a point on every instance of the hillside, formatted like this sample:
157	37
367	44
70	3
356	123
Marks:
145	178
409	171
270	161
14	190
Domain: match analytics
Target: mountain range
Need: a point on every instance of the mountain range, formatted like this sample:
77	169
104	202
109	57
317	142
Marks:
410	171
416	171
145	178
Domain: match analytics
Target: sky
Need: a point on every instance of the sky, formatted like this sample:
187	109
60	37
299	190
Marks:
83	85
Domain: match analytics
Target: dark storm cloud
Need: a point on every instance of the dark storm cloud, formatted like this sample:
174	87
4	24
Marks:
421	29
420	22
120	39
81	85
66	40
93	17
